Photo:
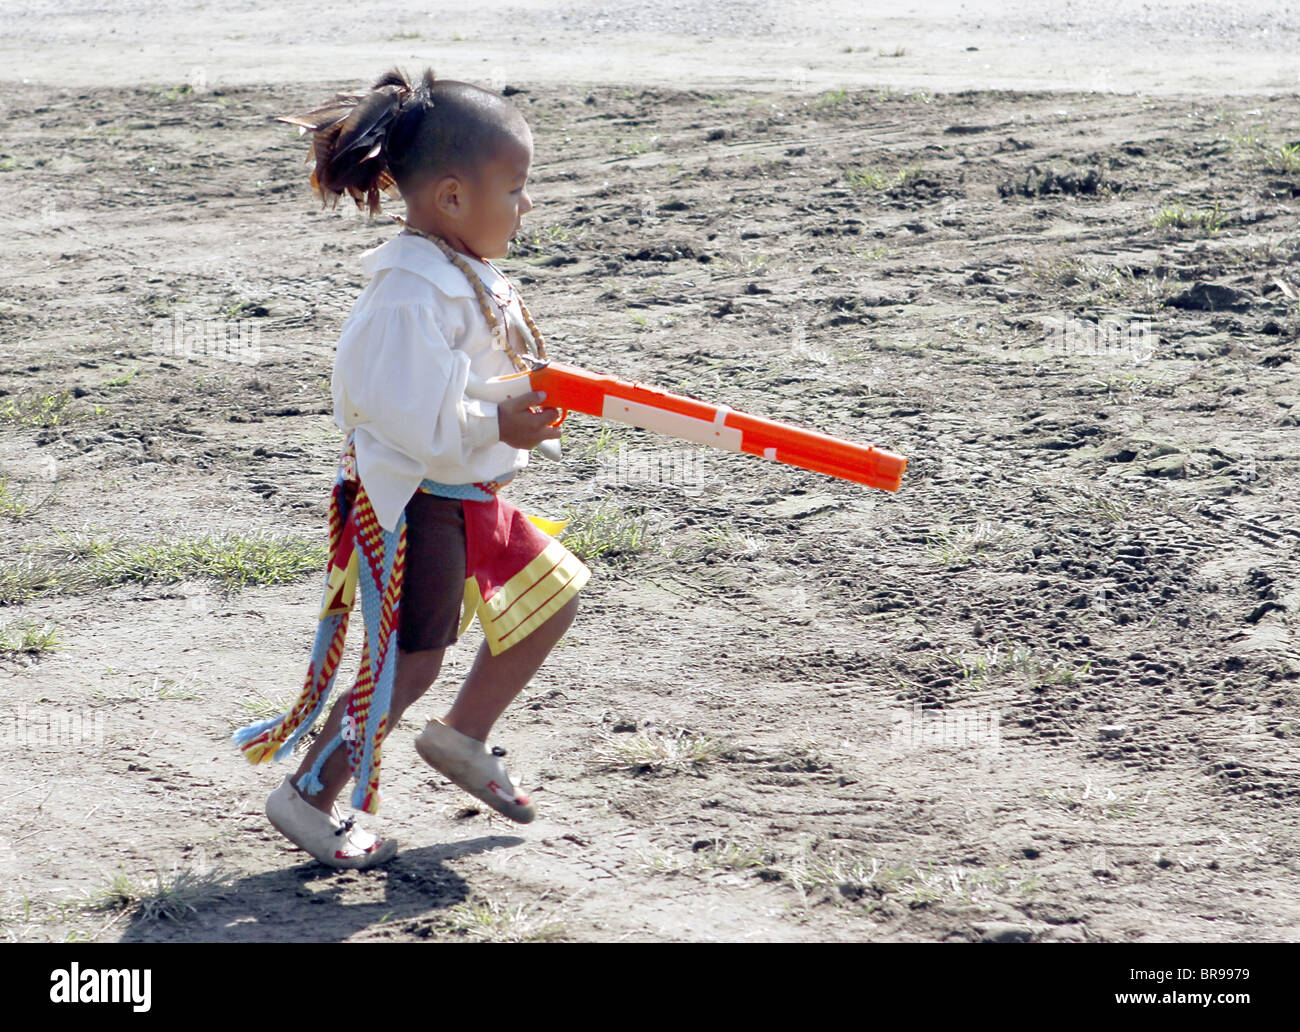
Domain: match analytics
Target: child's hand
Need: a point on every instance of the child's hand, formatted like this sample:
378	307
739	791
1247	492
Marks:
521	425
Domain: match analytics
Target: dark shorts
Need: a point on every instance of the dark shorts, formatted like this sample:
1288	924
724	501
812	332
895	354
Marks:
433	584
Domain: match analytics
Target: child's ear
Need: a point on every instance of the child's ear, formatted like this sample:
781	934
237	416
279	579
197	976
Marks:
448	195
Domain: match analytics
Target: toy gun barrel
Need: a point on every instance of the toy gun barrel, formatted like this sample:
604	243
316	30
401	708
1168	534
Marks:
572	389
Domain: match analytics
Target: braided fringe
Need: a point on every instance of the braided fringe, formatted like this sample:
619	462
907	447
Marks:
383	558
275	739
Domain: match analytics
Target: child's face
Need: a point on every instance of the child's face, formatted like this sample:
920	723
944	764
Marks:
491	208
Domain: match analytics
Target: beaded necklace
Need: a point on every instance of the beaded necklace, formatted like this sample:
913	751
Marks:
500	332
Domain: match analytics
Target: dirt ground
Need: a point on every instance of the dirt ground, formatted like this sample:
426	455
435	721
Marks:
1048	691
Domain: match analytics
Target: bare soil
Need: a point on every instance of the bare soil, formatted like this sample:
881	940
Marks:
1087	582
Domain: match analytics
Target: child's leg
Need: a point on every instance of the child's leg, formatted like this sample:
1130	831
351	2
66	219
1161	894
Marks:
494	681
432	589
416	672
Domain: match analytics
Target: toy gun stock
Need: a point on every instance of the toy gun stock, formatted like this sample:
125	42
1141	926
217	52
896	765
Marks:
569	388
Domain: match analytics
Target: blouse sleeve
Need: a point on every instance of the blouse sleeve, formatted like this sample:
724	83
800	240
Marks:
396	375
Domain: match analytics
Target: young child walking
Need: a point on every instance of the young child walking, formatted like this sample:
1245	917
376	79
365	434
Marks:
417	526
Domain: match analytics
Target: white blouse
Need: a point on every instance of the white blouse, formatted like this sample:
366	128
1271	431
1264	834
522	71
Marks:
405	353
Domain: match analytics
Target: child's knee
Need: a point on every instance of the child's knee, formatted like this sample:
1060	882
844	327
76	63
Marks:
420	667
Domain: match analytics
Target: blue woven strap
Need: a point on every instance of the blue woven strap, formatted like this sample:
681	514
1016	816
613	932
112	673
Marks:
470	492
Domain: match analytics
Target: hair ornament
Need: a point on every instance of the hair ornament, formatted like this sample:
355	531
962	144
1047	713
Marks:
348	141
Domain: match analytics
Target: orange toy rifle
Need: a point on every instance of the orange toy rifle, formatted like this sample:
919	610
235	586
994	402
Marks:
570	388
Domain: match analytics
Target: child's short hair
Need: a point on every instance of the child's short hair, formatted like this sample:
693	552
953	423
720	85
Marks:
397	137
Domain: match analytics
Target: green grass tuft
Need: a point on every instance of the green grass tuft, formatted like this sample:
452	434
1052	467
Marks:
1284	160
966	544
28	637
605	534
232	560
20	581
83	562
37	410
864	178
489	921
606	440
658	752
10	506
175	896
1175	216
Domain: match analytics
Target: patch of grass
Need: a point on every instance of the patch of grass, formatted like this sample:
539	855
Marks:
1066	272
727	544
657	751
659	861
605	534
28	637
606	440
21	581
1152	291
746	264
232	560
1175	216
719	855
175	896
1255	148
1110	508
80	562
78	546
862	177
238	309
1101	284
1103	801
1265	253
10	506
487	920
37	410
1284	160
896	52
123	380
868	881
170	689
964	545
631	148
542	238
1020	660
176	92
1127	386
1123	287
729	855
262	707
832	98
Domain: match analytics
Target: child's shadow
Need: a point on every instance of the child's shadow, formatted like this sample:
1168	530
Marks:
313	903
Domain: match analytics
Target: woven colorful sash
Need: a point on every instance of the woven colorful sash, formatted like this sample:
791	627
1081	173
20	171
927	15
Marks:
361	555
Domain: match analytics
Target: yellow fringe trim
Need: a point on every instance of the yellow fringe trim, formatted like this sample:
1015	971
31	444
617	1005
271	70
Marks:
525	602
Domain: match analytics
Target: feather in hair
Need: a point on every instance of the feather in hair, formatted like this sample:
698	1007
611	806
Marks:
346	125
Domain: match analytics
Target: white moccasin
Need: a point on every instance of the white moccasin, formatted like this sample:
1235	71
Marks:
334	842
469	763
